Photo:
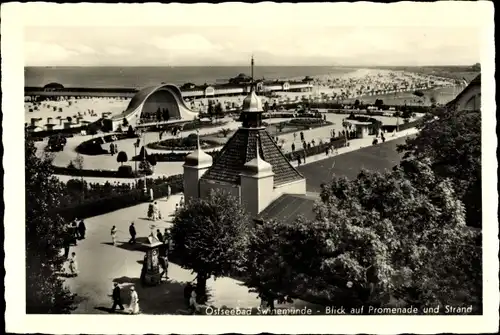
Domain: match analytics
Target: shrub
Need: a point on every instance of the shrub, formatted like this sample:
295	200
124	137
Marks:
125	171
122	157
105	198
145	167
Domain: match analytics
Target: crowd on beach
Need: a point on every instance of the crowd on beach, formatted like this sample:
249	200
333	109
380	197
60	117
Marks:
357	84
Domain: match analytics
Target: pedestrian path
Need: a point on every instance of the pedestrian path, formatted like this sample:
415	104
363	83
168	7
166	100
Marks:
100	264
175	168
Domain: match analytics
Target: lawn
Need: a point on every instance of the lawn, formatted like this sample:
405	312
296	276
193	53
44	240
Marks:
375	158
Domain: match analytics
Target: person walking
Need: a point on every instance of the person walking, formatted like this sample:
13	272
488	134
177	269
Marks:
82	229
133	233
73	268
293	147
117	298
134	301
159	236
113	235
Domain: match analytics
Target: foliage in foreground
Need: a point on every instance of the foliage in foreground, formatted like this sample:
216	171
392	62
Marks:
209	236
399	238
452	141
45	290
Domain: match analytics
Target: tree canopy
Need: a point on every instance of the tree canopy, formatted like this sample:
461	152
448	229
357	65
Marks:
398	237
45	233
209	236
452	141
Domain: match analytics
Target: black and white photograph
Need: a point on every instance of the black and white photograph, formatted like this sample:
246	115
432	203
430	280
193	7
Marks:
250	160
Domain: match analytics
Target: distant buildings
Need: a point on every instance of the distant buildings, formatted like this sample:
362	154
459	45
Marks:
250	166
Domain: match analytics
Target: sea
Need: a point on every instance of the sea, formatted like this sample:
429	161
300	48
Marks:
138	77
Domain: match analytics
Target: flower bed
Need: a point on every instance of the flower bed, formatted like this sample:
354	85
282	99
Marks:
94	147
308	122
188	143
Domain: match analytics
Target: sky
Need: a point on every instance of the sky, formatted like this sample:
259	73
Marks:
212	35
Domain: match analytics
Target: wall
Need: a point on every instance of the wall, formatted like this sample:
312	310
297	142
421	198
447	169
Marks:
256	193
296	187
191	179
206	186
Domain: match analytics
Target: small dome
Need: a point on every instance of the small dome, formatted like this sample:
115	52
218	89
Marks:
252	103
198	158
258	166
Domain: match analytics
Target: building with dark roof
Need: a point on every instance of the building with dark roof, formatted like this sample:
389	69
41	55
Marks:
250	166
163	103
469	98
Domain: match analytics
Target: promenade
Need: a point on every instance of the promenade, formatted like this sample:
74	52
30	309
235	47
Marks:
108	162
100	264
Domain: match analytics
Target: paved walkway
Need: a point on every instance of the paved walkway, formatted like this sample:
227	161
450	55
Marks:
100	264
176	167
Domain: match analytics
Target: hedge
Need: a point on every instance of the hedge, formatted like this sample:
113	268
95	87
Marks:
173	156
93	146
94	207
68	171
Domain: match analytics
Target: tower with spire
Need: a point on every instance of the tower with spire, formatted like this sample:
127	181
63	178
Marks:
250	166
195	165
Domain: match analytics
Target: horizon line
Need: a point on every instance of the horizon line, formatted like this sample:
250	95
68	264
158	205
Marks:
261	65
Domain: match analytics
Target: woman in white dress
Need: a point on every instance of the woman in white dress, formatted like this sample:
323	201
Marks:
113	235
72	265
134	301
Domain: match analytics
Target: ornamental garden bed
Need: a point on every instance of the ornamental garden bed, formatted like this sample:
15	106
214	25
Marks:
93	146
188	143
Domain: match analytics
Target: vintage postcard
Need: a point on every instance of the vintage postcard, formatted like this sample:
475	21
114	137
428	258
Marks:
308	168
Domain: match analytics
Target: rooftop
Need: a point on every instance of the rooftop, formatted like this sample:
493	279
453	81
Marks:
241	148
288	207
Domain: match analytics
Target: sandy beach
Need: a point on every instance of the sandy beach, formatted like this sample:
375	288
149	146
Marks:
367	84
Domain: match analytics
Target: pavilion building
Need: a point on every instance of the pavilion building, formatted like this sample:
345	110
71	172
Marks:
251	167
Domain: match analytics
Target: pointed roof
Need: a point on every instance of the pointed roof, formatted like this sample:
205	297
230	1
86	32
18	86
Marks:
252	103
241	148
258	166
198	157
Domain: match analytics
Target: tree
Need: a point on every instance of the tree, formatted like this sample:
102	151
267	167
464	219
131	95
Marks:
122	157
130	131
379	103
209	236
152	160
399	235
159	115
145	167
56	143
45	233
125	122
418	93
218	111
143	154
356	103
166	114
452	141
211	110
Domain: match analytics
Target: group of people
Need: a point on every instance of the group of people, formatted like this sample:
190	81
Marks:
154	212
74	231
117	300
